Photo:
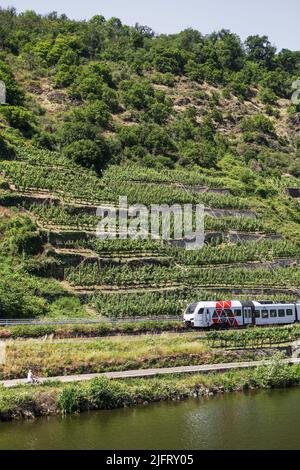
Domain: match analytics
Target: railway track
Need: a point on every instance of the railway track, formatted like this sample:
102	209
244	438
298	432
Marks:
123	321
84	321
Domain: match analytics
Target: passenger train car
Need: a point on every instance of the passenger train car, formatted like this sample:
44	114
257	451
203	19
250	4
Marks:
238	314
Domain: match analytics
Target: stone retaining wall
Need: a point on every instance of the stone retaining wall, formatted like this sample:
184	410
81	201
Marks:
293	192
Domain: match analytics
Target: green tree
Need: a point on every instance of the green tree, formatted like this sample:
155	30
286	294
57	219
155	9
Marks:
72	131
259	49
14	94
170	60
20	118
91	154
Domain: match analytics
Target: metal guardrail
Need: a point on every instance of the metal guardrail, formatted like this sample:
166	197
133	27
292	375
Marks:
78	321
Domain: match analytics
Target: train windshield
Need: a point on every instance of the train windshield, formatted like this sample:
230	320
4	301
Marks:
191	309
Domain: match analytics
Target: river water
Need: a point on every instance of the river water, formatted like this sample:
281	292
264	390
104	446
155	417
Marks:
256	420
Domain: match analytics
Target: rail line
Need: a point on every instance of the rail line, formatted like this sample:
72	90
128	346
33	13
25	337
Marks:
85	321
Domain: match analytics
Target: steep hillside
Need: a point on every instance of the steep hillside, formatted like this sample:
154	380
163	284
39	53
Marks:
96	110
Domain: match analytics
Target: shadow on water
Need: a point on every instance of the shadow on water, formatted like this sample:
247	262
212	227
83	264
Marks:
255	420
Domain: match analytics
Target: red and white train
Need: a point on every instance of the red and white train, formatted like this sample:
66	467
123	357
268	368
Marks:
238	314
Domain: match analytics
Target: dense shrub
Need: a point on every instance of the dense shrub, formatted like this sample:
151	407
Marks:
89	153
268	96
19	118
258	123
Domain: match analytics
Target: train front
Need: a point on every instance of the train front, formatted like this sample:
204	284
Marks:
194	315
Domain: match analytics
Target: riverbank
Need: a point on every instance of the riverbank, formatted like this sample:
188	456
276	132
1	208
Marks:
251	420
103	393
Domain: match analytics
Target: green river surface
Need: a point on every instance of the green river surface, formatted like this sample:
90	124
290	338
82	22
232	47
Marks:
256	420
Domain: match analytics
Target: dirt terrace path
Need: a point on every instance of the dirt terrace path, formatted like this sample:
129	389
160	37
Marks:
203	369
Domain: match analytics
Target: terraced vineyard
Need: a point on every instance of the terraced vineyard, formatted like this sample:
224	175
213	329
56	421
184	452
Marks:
86	187
246	253
69	218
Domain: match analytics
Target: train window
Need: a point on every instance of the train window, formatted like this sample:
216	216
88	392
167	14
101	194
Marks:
238	313
273	313
289	312
191	309
265	314
228	313
201	311
281	313
257	314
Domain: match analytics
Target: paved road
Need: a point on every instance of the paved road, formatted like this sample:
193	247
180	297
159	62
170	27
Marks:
203	369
